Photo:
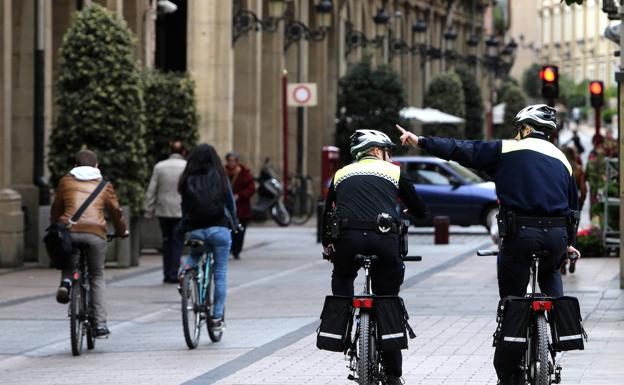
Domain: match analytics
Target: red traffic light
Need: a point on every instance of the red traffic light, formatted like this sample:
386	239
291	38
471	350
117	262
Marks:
596	88
548	74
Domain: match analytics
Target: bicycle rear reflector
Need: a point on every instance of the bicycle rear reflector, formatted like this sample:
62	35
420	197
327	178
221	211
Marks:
542	305
366	303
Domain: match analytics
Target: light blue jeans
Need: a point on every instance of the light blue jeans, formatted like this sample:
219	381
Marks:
218	241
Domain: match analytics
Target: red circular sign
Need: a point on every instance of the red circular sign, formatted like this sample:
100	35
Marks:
301	94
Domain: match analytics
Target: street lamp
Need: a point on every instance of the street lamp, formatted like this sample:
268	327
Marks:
296	30
355	39
381	22
420	32
473	44
166	6
245	20
492	47
450	36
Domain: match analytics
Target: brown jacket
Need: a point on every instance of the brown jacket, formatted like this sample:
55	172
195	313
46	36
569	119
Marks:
72	192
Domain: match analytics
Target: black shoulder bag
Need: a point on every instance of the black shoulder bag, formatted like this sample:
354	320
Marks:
57	241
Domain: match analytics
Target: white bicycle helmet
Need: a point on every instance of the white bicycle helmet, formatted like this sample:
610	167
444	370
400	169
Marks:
537	115
364	140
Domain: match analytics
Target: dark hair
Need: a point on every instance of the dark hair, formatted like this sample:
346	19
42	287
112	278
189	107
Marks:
202	160
177	147
86	158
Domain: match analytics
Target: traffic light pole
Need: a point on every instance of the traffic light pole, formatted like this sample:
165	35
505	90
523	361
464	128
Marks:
597	136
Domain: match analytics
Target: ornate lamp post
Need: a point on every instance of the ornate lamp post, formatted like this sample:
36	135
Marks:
355	39
245	20
449	37
296	30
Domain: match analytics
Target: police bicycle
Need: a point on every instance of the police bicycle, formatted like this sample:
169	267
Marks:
197	292
538	363
81	317
364	353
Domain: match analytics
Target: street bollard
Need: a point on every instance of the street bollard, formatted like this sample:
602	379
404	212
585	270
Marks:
441	230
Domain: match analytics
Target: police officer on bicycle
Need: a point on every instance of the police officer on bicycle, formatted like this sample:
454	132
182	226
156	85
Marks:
538	205
362	217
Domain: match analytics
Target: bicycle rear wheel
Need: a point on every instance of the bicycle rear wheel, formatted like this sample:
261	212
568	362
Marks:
215	336
76	318
365	352
191	312
301	207
541	366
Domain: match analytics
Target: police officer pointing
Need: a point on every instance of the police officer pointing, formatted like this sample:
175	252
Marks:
362	202
538	205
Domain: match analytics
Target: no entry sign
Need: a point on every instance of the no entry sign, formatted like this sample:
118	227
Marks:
302	94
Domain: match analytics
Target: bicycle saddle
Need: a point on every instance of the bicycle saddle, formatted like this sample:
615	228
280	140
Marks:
194	243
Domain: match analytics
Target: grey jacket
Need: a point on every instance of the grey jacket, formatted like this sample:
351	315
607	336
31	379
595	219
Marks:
162	198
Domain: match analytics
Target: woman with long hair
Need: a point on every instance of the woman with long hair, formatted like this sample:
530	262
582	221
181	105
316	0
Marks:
210	213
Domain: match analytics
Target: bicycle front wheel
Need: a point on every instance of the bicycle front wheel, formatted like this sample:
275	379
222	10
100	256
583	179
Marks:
191	312
541	362
301	207
215	336
364	353
76	318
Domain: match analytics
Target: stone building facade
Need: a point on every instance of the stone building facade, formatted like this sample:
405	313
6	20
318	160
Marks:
239	84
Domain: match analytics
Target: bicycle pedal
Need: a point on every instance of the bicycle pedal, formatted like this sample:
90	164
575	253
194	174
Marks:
351	377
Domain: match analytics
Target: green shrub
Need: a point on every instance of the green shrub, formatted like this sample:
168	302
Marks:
170	113
368	99
100	103
473	104
514	100
531	82
445	93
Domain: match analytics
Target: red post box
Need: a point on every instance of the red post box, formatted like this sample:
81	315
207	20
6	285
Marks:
330	159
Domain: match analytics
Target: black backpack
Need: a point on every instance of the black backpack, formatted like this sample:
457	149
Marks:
204	198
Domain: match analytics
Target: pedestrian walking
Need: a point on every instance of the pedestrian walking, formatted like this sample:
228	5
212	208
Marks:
163	201
90	229
209	214
243	188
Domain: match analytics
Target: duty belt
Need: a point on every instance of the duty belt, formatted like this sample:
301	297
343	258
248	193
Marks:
542	221
353	224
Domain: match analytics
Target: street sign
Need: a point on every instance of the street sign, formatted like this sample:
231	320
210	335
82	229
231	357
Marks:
302	95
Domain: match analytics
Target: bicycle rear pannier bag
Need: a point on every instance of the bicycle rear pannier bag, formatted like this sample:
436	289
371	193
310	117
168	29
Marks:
513	316
566	324
334	334
392	323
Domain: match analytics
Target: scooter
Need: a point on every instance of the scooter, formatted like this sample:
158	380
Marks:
270	197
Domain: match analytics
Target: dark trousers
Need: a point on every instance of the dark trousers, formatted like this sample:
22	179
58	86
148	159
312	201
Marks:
514	264
172	247
238	238
386	274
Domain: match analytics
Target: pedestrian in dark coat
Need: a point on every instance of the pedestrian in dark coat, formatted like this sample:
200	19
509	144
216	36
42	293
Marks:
243	187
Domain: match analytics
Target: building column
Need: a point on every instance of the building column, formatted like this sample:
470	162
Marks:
141	20
247	94
211	65
271	96
6	94
11	217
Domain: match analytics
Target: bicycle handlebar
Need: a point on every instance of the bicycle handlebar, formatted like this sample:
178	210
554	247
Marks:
414	258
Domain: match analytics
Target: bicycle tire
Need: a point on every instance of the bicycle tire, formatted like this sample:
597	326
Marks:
364	364
300	218
191	316
215	336
91	325
541	369
76	323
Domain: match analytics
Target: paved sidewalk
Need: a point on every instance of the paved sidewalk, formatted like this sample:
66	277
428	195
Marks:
275	295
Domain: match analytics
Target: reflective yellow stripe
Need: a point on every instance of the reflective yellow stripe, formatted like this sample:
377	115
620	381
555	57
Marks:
374	167
537	145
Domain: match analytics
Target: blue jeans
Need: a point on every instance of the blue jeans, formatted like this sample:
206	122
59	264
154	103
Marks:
218	241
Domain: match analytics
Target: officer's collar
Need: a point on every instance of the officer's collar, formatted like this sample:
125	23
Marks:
537	135
368	157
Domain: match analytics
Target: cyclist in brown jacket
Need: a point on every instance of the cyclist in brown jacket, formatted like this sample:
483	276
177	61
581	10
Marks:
90	229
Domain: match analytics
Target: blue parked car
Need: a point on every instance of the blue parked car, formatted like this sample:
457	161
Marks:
449	189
